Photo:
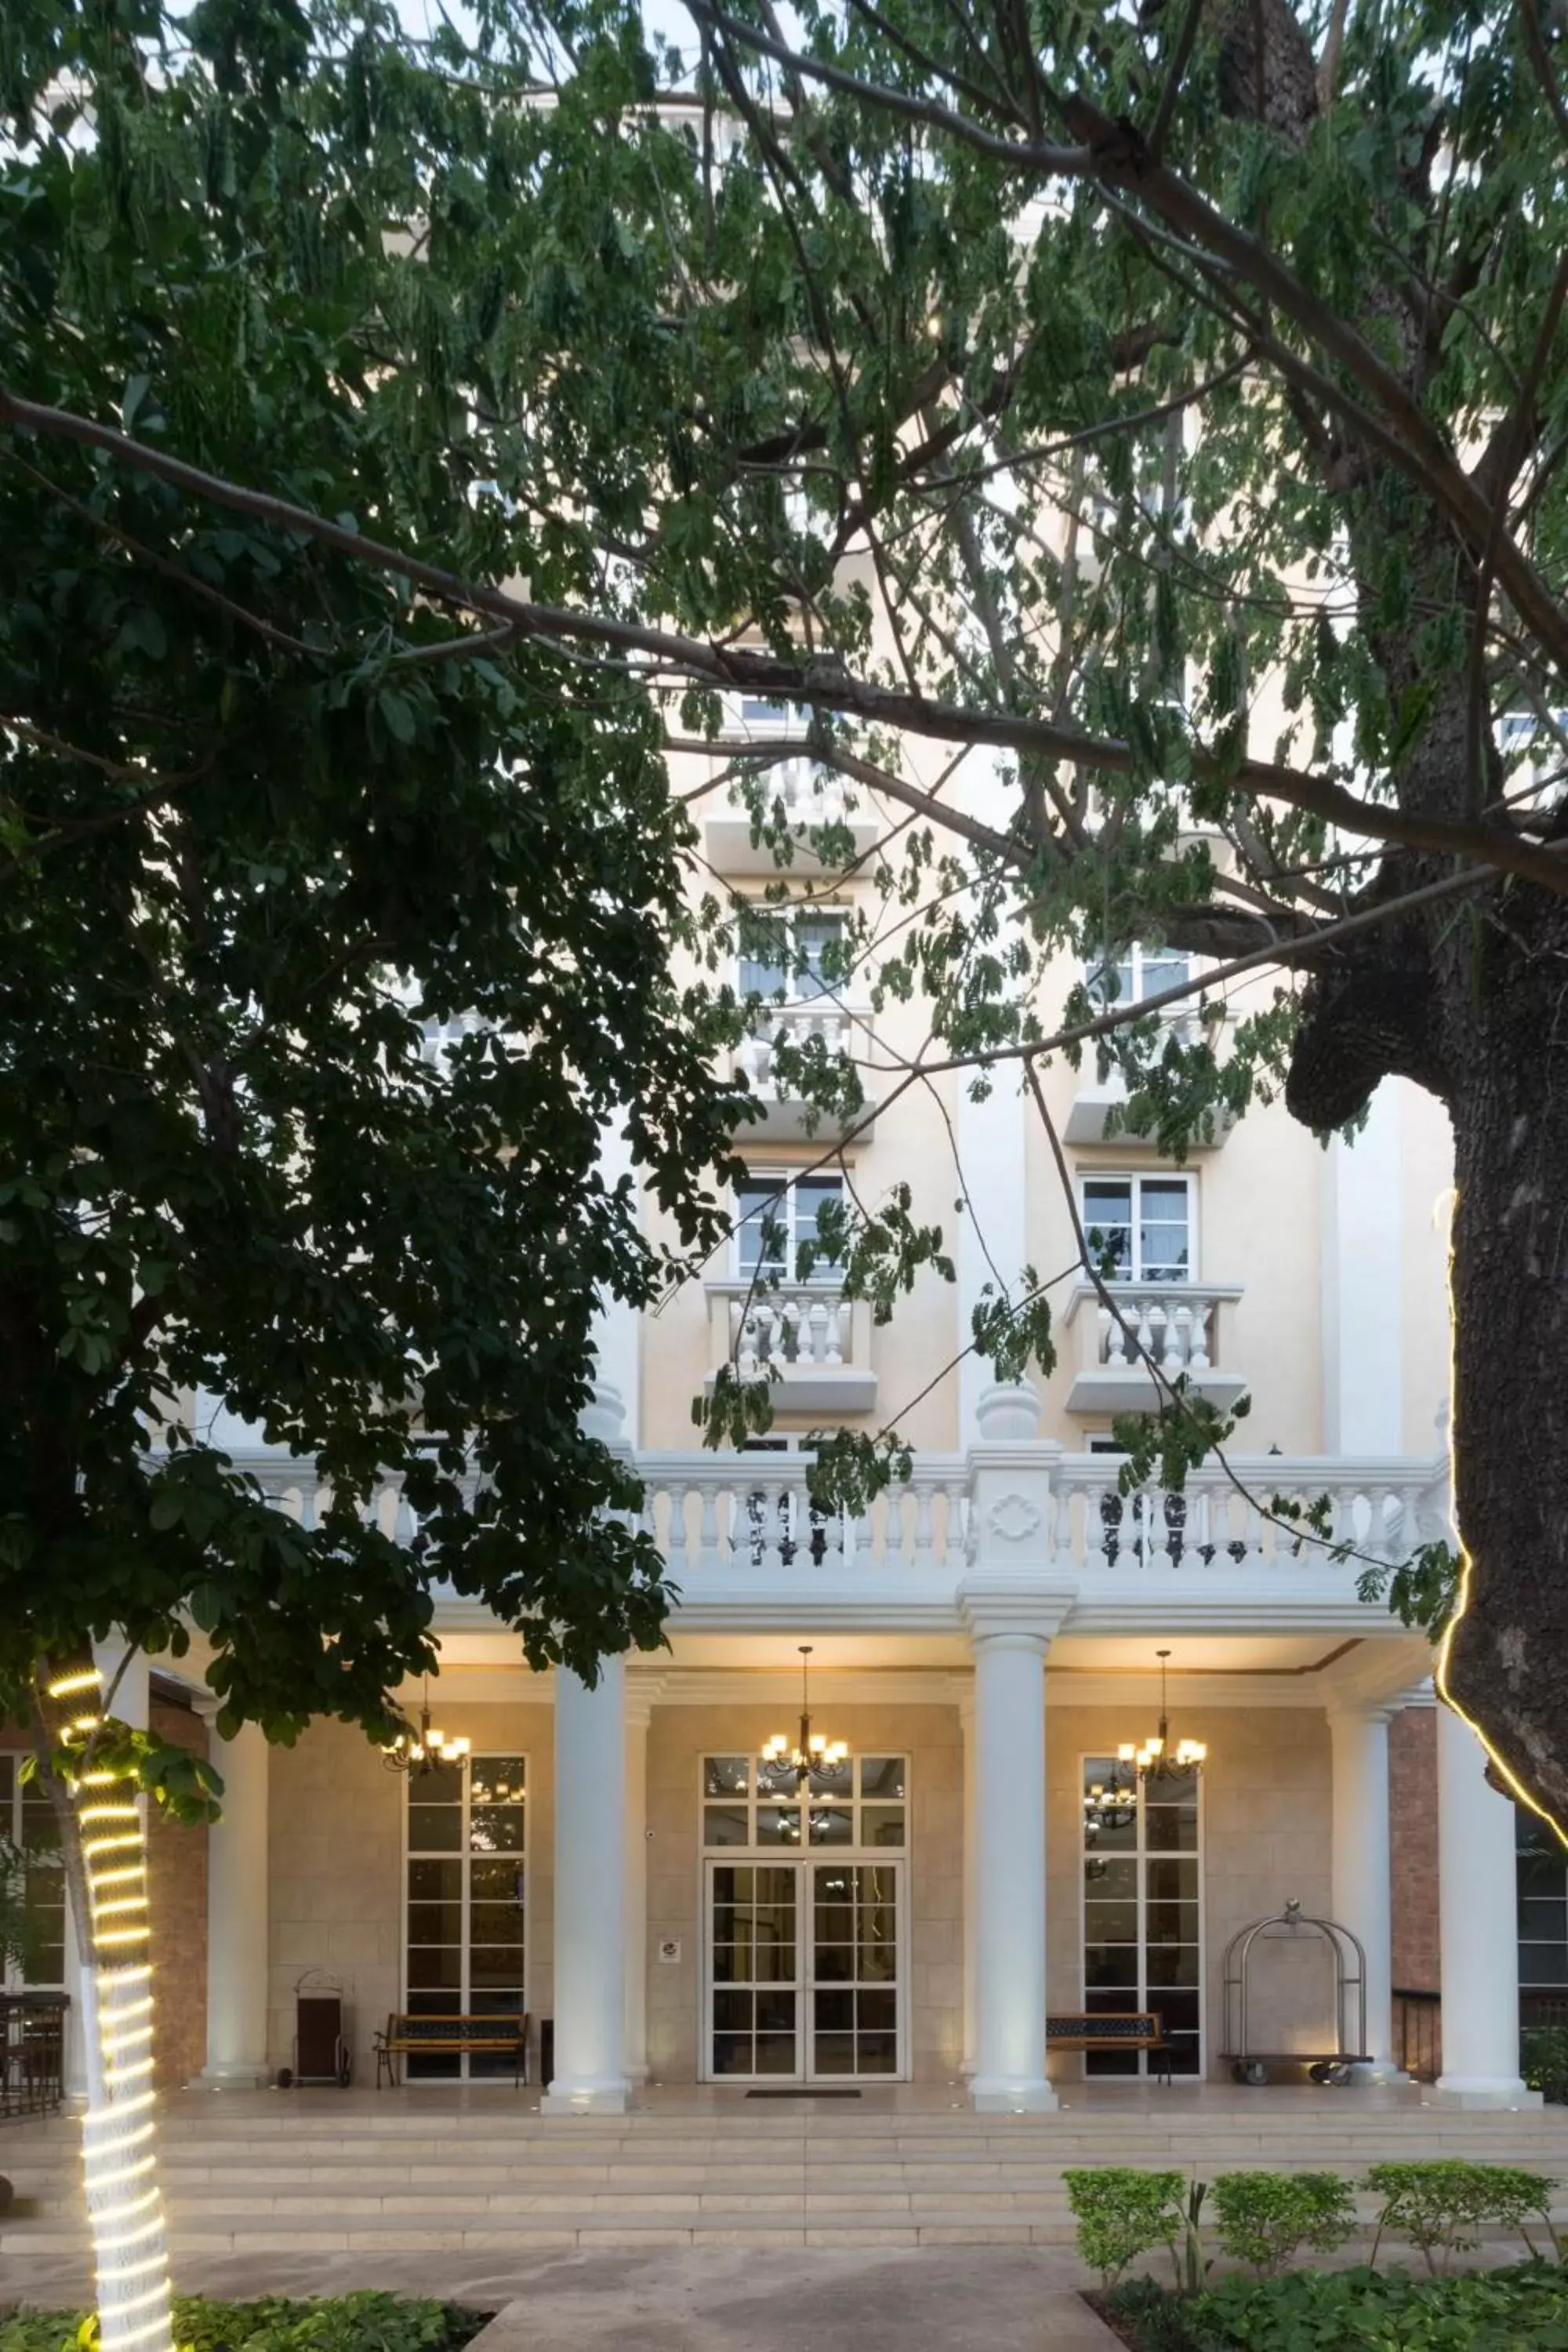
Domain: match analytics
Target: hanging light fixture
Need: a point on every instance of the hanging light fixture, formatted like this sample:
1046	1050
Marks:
1157	1762
427	1749
811	1752
1112	1803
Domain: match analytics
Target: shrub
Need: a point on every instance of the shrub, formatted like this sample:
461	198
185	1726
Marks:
1440	2205
1543	2062
1121	2214
1266	2217
1522	2309
367	2322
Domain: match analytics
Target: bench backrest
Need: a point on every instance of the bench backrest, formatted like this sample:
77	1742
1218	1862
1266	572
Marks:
506	2027
1131	2025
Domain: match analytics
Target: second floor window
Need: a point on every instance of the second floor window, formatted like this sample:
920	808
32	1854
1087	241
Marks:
793	952
1137	974
777	1214
1143	1224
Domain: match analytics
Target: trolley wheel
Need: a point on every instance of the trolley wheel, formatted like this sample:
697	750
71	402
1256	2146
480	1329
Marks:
1319	2073
345	2065
285	2078
1249	2071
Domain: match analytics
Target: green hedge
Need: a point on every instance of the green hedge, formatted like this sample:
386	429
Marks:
1521	2309
370	2321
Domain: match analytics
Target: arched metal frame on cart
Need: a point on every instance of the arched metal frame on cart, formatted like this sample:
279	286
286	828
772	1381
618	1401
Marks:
1294	1926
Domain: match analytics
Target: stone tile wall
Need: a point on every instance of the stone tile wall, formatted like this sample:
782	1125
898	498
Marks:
335	1829
177	1903
678	1736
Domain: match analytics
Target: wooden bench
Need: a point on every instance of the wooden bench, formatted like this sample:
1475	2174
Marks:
424	2037
1136	2029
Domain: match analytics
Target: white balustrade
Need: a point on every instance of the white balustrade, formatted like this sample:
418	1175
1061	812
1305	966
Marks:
808	794
788	1327
801	1027
753	1513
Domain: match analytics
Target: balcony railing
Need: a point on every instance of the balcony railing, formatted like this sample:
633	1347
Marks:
819	1024
817	1342
810	798
1181	1326
742	1511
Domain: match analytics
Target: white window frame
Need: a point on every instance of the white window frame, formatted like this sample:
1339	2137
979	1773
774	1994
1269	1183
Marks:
1147	1997
785	1213
12	1822
463	1853
1137	1178
787	913
752	716
1138	956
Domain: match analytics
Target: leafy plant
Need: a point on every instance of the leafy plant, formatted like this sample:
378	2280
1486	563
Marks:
1264	2217
369	2321
1543	2062
1188	2260
1521	2309
1121	2213
1440	2205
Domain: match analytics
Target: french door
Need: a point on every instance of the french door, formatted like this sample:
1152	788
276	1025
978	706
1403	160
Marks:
805	1970
467	1909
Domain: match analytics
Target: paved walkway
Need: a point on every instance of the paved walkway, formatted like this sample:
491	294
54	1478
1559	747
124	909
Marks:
723	2299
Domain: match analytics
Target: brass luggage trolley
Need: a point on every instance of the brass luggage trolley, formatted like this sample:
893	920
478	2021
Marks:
1349	1959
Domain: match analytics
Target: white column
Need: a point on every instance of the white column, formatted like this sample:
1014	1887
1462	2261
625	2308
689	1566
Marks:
1477	1915
590	1895
971	1938
238	1949
617	1336
639	1711
1361	1899
1009	1635
1363	1367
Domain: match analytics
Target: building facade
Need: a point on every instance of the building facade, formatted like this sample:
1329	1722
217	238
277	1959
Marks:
627	1865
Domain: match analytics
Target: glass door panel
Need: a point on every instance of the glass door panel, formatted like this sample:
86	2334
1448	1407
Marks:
1142	1935
805	1974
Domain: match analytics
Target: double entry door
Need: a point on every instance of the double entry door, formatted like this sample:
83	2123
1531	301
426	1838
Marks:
804	1971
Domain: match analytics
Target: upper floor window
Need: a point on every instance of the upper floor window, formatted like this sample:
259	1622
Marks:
757	714
1143	1224
796	952
1138	974
777	1214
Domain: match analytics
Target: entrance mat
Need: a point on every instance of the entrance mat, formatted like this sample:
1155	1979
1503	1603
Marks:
801	2091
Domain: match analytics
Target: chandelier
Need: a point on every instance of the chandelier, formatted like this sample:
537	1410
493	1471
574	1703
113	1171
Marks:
427	1749
811	1752
1112	1803
1157	1762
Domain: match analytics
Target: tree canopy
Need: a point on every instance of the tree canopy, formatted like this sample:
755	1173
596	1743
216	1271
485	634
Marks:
1164	406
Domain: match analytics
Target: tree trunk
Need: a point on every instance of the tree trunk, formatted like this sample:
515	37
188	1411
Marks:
103	1852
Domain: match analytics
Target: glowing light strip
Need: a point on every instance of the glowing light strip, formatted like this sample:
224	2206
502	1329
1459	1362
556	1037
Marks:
114	2340
67	1686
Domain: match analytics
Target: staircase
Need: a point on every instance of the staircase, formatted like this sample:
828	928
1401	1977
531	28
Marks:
312	2173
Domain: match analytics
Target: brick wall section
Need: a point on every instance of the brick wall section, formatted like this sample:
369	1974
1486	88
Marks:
177	1892
1412	1834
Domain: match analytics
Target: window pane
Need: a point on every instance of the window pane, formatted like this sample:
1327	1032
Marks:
882	1825
500	1881
435	1922
1108	1221
1173	1964
725	1776
497	1779
831	1824
834	2011
1170	1829
1162	1232
762	1212
436	1882
1110	1964
877	1963
494	1923
776	2053
1173	1882
731	2054
776	1779
725	1825
1112	1881
496	1829
835	1963
819	954
763	942
778	1824
1111	1923
436	1828
732	2012
495	1964
436	1964
882	1776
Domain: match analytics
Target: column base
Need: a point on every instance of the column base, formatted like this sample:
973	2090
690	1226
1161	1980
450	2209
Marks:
594	2097
994	2094
1481	2092
237	2075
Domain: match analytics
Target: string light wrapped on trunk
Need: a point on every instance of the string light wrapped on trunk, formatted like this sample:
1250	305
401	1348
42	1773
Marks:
125	2207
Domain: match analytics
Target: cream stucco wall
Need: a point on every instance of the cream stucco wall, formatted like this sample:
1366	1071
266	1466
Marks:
335	1835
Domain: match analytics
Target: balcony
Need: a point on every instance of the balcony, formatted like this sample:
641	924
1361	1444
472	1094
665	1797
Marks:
1095	1098
810	796
784	1117
1182	1325
818	1341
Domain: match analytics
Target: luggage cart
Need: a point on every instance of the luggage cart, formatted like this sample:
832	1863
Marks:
323	2052
1349	1958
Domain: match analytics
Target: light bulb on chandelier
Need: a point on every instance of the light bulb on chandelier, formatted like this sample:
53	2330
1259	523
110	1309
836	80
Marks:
811	1753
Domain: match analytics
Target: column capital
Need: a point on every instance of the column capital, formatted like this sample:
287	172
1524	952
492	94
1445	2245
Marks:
1351	1710
1015	1612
